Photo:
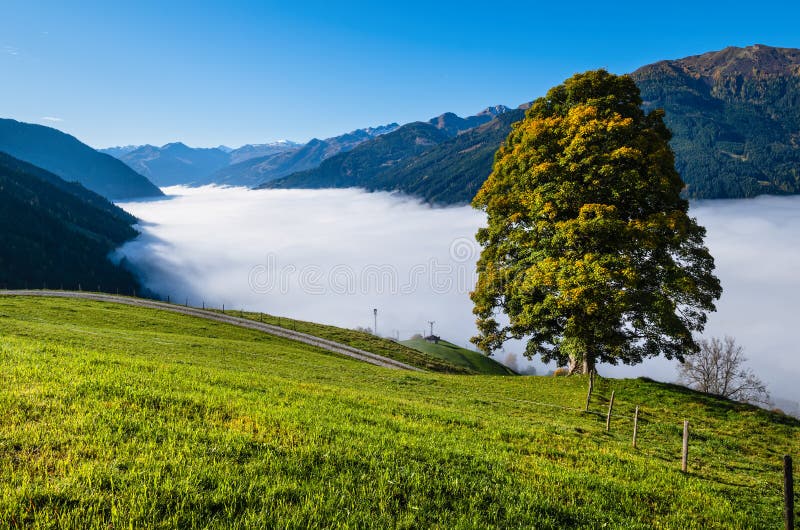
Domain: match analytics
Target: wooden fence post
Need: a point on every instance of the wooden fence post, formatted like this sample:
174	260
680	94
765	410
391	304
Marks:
685	454
635	425
591	386
610	408
788	493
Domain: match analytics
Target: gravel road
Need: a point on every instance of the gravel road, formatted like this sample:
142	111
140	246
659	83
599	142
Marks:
329	345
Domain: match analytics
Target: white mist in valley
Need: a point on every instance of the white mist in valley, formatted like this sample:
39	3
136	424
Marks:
333	256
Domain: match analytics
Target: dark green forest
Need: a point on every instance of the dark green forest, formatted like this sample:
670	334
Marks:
735	119
58	234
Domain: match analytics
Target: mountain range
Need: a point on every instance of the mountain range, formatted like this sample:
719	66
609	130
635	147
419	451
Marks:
260	169
73	161
415	158
249	165
58	234
734	115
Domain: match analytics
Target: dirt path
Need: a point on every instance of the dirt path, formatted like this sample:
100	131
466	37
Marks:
329	345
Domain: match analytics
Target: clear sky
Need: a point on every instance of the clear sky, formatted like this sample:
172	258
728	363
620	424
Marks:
234	72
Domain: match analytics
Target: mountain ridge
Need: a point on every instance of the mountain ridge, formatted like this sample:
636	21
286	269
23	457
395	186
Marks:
72	160
734	115
735	119
367	165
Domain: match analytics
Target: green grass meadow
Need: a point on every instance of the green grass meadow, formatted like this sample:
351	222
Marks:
120	417
364	341
469	360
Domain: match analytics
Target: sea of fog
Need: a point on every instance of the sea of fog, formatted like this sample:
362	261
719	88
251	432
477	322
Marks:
333	256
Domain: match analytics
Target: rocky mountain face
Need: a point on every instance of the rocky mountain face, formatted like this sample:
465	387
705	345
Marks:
735	119
247	152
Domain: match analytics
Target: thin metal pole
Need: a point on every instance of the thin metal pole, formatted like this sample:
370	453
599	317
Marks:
635	425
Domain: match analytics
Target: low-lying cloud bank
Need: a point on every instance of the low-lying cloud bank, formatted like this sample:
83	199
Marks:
334	255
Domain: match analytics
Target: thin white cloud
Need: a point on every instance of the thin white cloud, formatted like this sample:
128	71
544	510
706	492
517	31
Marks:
10	50
51	119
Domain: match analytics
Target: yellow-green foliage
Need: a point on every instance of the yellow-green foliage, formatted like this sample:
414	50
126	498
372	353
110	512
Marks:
120	417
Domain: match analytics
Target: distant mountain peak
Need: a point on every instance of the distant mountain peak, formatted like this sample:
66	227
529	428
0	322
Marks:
493	111
750	62
454	124
175	145
381	129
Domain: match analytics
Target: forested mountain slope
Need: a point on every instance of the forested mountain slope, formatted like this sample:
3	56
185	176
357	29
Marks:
73	161
58	233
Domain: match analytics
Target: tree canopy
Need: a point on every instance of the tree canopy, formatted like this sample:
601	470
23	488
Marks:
589	249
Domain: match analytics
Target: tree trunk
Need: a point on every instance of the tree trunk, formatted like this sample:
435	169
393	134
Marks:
581	366
588	366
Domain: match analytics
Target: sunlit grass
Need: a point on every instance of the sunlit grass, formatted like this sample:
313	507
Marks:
121	417
365	341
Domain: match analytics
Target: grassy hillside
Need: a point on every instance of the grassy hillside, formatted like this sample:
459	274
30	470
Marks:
366	341
458	356
118	417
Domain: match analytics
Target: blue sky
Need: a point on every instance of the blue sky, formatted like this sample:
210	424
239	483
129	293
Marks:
235	72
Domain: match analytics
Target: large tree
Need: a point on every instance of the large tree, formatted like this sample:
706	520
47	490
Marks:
589	250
